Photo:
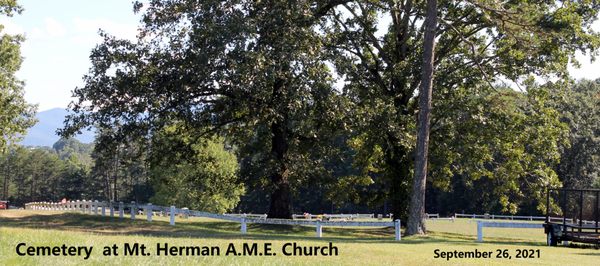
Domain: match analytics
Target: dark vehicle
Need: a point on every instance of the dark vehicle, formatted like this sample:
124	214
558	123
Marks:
575	216
3	205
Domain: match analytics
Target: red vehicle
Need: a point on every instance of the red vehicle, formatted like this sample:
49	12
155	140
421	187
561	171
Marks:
3	205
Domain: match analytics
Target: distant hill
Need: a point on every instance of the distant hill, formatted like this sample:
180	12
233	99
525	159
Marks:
44	132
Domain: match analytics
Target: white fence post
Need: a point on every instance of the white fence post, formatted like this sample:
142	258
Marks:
121	211
103	208
479	231
397	230
319	229
244	228
172	214
133	210
111	208
95	205
149	212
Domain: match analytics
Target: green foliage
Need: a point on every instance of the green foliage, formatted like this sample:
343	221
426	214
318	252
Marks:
478	43
40	174
261	75
239	68
72	147
206	180
501	147
119	171
16	115
579	106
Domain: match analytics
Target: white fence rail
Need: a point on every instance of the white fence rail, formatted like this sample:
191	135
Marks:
500	217
354	216
516	217
247	215
482	224
93	207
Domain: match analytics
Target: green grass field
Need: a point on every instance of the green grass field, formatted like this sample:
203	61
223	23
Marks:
357	246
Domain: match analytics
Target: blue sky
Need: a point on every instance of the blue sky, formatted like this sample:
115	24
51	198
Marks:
61	33
59	37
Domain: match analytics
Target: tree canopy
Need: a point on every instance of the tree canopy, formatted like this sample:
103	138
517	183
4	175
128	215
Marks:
579	107
16	115
479	43
323	94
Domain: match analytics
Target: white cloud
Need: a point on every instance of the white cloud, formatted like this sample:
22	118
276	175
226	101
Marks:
50	29
54	28
11	27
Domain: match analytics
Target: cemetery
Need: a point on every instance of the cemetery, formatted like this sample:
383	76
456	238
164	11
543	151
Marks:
305	132
355	243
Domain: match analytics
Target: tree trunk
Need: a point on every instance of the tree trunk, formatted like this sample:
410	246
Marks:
399	163
107	185
280	198
6	178
416	217
31	196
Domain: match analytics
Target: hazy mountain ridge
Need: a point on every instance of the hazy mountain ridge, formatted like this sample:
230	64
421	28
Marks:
43	133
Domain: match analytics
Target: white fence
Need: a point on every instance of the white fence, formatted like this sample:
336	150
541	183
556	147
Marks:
482	224
93	207
247	215
355	216
518	217
500	217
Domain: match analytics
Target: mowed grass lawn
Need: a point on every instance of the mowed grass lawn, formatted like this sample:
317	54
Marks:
357	246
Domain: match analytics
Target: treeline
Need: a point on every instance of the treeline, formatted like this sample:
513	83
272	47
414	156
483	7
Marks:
504	142
46	174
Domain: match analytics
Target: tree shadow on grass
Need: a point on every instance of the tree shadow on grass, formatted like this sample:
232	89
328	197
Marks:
208	228
589	254
188	228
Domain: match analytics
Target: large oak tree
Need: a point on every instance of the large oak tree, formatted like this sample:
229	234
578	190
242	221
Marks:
251	70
